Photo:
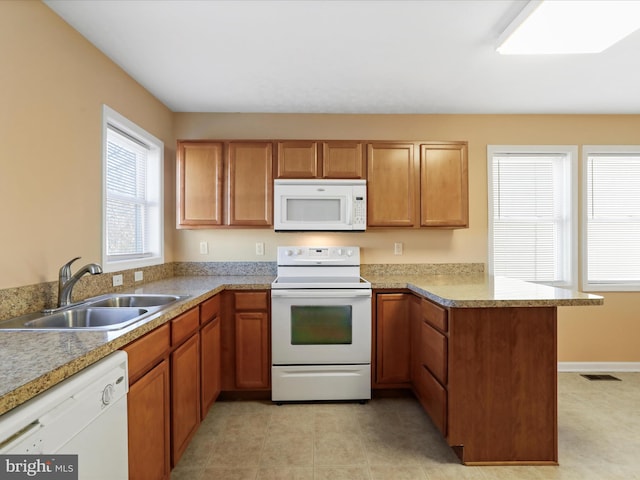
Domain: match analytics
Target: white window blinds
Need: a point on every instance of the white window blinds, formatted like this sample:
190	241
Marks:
530	209
612	247
126	180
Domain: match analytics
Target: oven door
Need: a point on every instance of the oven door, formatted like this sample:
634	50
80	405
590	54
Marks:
321	326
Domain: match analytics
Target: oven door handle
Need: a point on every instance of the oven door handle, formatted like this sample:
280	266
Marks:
321	293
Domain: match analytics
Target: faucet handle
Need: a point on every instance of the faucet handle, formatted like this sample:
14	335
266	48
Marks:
65	270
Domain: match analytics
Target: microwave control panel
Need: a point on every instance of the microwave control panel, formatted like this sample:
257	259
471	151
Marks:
359	210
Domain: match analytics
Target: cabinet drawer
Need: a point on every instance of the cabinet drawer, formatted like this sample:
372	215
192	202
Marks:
209	309
251	300
146	350
435	315
434	351
184	325
433	398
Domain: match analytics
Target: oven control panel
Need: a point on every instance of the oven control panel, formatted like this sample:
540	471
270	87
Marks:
340	255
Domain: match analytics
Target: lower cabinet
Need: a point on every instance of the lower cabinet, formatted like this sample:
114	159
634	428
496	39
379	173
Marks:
210	358
174	378
246	341
148	406
430	361
393	332
185	395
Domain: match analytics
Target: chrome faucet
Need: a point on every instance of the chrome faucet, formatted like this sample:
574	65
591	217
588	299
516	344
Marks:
66	281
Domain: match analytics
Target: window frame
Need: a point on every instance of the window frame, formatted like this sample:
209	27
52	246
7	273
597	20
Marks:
570	255
155	185
593	286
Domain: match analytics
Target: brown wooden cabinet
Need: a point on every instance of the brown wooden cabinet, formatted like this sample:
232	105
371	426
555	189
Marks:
487	377
209	353
297	159
393	332
312	159
343	159
200	187
252	353
185	381
392	188
249	167
224	184
444	190
149	404
430	359
429	192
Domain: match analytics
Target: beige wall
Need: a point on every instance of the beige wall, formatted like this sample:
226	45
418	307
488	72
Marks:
608	333
52	87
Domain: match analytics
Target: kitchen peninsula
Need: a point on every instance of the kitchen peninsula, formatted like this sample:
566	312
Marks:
482	351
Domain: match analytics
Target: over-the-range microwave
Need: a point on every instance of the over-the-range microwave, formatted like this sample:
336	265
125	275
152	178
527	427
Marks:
319	205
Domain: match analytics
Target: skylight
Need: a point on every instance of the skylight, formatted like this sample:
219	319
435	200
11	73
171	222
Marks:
569	26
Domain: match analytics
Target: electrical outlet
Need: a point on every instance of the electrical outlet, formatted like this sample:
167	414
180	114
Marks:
397	248
259	248
117	280
204	248
138	276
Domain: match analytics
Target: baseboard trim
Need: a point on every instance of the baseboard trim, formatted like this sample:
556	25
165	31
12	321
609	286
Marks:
598	366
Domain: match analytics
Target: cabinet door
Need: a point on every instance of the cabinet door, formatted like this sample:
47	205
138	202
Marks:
444	186
393	330
185	395
391	185
252	354
210	365
343	160
250	184
297	159
148	411
416	338
199	175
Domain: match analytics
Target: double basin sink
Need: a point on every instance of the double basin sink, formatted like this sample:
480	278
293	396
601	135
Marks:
106	312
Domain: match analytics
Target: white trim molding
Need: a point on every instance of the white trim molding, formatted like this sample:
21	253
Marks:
598	366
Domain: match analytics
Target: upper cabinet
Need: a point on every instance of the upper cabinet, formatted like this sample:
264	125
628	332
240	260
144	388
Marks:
200	186
249	184
311	159
417	185
444	189
297	159
412	184
391	185
224	184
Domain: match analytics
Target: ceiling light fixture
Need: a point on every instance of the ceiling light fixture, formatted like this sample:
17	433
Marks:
569	26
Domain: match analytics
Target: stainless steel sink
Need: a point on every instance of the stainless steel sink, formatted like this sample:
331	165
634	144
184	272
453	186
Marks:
134	300
106	312
88	318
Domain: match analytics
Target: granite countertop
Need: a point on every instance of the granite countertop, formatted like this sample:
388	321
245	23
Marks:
33	361
484	291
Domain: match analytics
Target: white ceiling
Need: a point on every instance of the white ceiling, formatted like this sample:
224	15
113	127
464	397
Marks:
430	56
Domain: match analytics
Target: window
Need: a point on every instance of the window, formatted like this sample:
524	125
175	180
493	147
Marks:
132	195
532	212
611	222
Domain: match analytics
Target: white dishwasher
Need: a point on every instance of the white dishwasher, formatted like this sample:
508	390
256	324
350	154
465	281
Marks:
84	415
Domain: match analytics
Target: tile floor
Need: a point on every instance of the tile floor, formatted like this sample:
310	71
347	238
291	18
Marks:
392	439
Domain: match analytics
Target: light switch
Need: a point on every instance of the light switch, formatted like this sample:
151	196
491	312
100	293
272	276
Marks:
204	248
